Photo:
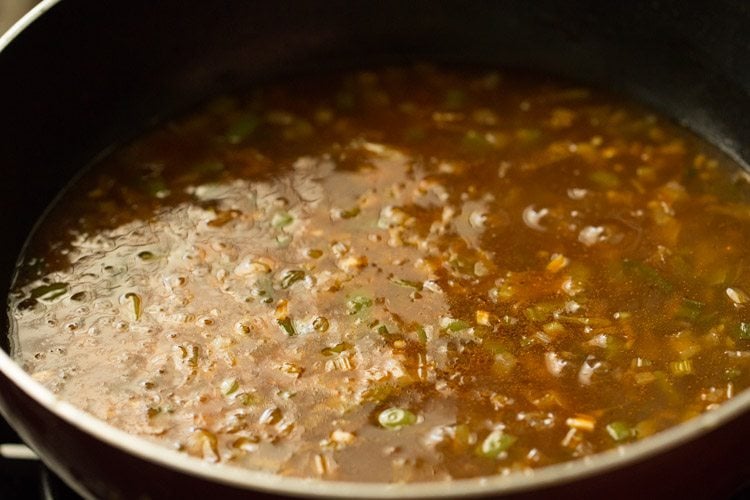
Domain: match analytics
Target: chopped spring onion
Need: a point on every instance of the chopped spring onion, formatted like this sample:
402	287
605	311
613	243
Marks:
208	167
457	325
287	326
315	253
528	136
145	255
358	303
350	213
417	285
382	330
320	324
396	418
136	301
422	335
337	349
502	293
620	431
475	142
646	273
454	99
49	292
283	240
689	309
605	179
291	277
228	386
246	398
744	331
243	128
682	367
495	444
281	219
539	312
345	101
553	328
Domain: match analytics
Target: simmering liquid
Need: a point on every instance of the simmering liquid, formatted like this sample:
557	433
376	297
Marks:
405	274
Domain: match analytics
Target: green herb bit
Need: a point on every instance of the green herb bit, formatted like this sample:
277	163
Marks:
396	418
681	368
620	431
291	277
246	398
210	167
605	179
689	309
743	330
286	394
415	134
662	382
146	255
337	349
732	373
463	435
502	293
287	326
494	346
283	240
298	130
417	285
539	312
504	364
615	346
382	330
281	219
243	128
357	303
421	335
528	136
553	328
345	101
49	292
455	99
320	324
457	325
229	385
350	213
156	187
647	273
192	353
496	443
314	253
136	301
475	142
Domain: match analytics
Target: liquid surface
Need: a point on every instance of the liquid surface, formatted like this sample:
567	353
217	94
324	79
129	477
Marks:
400	275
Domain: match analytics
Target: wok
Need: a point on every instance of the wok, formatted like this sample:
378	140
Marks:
79	76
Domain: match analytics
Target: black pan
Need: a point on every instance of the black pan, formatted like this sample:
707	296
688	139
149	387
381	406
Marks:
79	76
